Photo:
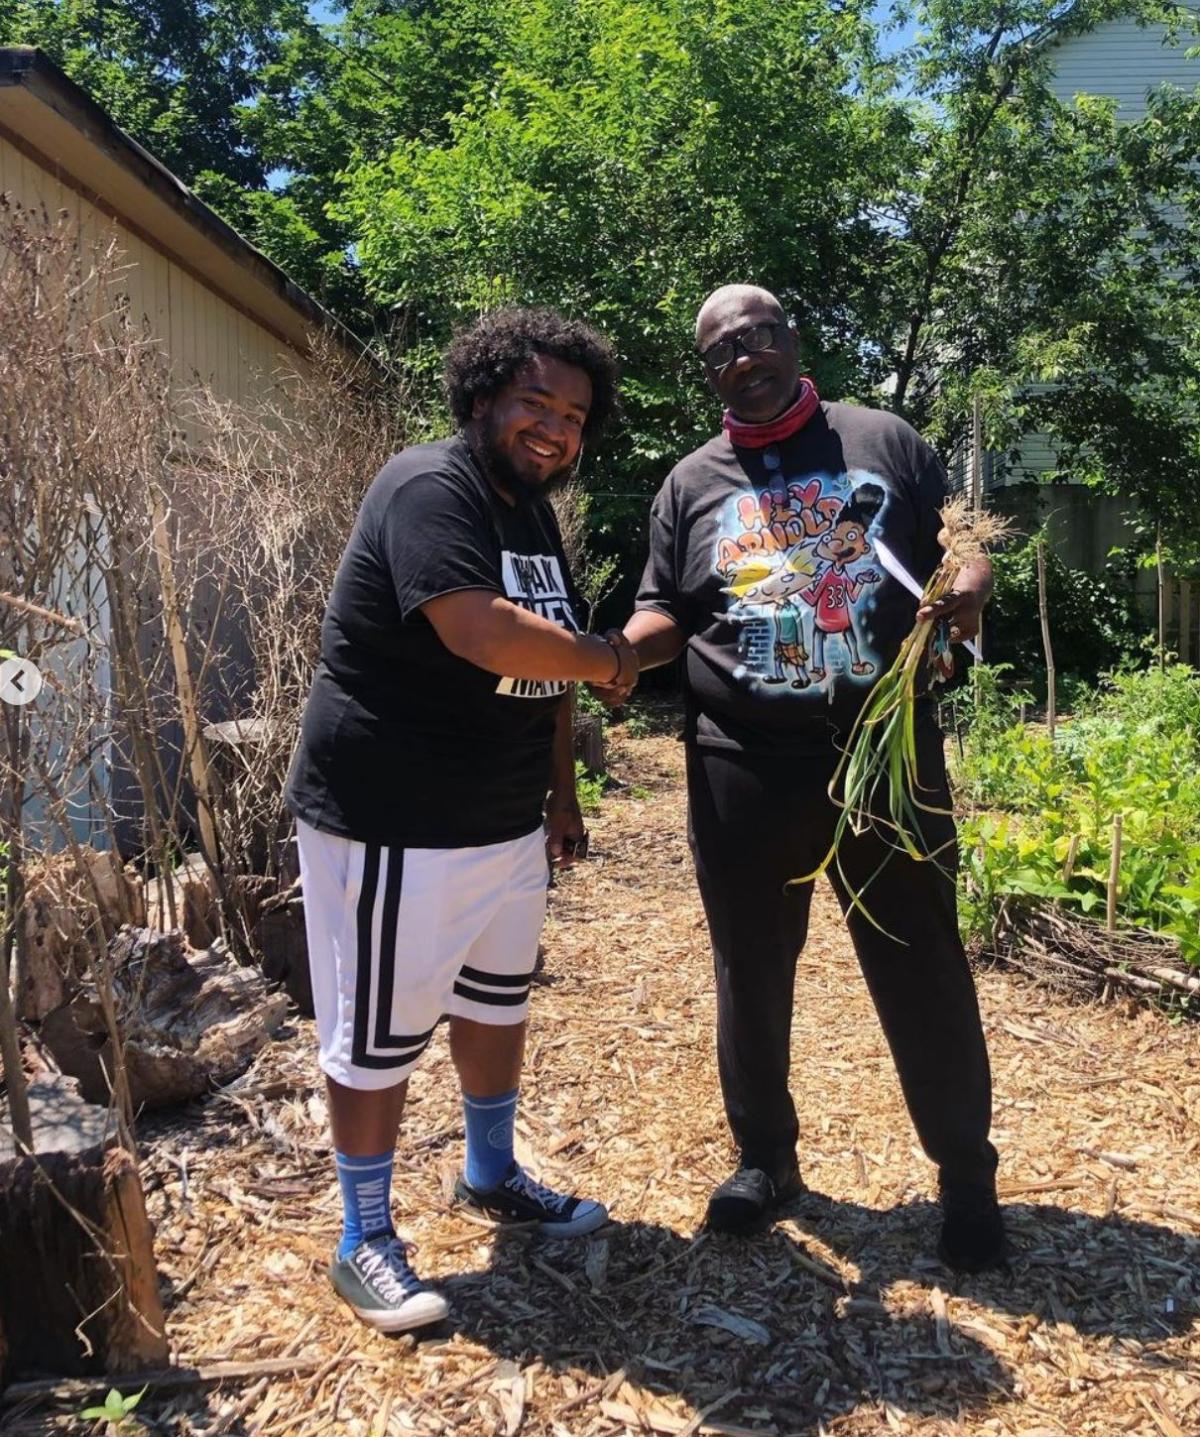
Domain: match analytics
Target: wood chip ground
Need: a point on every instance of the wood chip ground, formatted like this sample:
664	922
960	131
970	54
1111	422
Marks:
840	1320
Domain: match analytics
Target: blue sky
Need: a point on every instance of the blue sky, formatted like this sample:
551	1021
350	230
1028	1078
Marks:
902	37
322	10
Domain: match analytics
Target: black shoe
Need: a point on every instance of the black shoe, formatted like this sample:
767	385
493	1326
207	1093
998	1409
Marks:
518	1198
742	1202
973	1236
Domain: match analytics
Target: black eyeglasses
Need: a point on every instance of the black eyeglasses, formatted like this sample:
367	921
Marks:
750	341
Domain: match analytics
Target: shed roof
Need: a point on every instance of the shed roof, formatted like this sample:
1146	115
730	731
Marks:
54	122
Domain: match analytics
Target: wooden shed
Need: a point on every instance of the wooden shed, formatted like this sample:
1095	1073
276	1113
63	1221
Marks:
225	313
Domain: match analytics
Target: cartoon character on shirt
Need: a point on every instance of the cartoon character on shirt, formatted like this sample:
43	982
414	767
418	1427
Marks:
775	584
776	521
834	591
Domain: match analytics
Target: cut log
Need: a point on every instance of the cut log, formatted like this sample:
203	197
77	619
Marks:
280	938
194	894
589	741
187	1020
61	908
79	1290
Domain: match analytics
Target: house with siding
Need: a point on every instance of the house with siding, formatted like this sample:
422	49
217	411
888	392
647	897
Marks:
224	313
1123	61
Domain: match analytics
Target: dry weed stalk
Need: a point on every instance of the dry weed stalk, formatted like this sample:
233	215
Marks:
164	559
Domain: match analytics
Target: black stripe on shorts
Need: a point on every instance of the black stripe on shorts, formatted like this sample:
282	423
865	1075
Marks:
496	980
481	995
379	977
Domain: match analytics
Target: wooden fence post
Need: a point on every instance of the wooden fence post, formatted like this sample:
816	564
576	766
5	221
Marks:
11	800
194	752
1114	874
977	484
1044	614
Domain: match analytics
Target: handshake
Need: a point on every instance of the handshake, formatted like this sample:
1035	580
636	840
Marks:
616	690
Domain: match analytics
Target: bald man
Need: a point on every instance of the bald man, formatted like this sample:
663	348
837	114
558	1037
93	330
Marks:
763	572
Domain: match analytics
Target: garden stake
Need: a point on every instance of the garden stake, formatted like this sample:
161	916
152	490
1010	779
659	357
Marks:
1072	854
1114	874
1044	615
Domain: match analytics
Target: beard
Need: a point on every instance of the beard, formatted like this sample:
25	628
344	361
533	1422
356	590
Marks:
500	469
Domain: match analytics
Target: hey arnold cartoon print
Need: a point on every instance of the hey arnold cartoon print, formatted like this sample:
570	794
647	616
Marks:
795	560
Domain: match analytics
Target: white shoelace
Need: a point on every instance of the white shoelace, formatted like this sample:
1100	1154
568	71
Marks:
522	1183
387	1268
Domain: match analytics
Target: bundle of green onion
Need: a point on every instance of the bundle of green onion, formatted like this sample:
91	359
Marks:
876	781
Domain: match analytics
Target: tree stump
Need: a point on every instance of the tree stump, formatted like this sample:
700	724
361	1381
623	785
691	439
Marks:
187	1021
64	908
78	1284
281	940
193	891
236	749
589	741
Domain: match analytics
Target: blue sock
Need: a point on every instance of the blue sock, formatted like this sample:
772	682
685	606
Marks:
366	1185
489	1123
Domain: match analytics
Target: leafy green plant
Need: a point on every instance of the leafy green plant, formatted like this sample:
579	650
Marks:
589	787
117	1410
1042	813
635	724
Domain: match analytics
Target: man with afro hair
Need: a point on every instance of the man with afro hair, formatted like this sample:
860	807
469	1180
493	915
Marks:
434	783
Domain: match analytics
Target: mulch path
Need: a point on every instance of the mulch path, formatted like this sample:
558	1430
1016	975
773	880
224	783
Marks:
839	1320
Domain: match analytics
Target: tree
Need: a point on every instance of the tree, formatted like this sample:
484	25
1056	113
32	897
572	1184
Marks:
177	74
202	84
940	225
1043	253
620	158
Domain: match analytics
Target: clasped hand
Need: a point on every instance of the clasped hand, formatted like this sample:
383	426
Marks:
617	690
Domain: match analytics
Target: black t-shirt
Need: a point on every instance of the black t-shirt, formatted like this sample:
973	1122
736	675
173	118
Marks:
403	742
765	558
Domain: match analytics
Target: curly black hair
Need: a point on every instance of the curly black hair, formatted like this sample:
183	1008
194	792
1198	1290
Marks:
483	359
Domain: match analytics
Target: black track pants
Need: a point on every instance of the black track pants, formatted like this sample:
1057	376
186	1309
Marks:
755	823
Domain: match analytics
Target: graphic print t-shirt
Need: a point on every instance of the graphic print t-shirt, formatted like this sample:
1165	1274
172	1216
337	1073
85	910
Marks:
403	742
767	560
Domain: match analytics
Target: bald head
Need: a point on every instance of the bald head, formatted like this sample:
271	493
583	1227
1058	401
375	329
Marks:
733	298
756	374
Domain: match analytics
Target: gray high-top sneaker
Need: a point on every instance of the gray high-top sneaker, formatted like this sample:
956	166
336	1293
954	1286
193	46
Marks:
382	1289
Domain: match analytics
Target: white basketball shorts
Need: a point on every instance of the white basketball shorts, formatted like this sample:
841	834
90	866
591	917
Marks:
400	937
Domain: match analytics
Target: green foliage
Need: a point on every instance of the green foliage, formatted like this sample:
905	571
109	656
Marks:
1094	626
941	217
589	787
1134	750
178	74
598	162
117	1410
1042	253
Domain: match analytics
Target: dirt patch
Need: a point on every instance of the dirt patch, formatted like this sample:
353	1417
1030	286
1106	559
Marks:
855	1327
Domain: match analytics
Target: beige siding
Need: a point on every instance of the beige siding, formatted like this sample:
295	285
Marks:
1124	61
206	337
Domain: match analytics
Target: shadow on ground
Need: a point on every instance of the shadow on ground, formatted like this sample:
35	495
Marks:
830	1346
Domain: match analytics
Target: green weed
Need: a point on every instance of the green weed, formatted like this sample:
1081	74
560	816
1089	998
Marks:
589	787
